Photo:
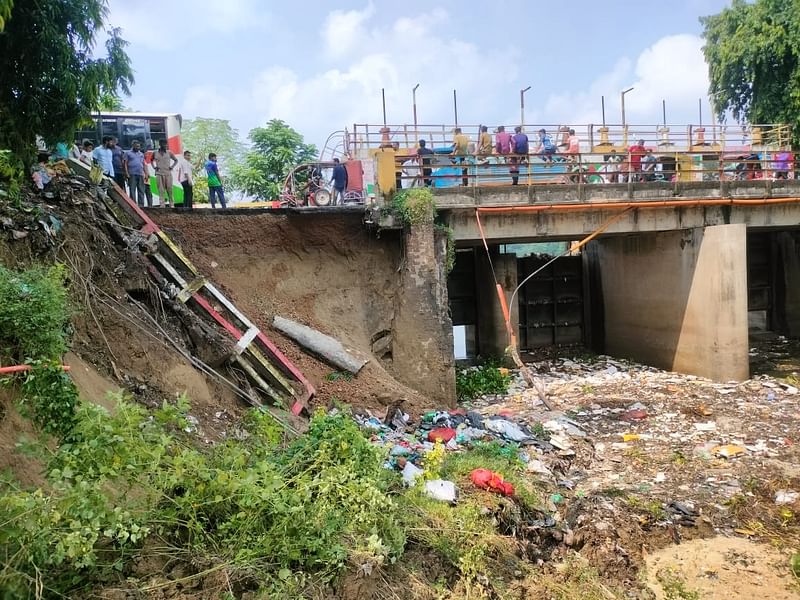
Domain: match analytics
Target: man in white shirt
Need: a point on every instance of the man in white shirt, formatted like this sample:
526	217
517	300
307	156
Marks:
186	180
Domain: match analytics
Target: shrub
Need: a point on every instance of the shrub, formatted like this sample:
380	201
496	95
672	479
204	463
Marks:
414	206
33	313
488	378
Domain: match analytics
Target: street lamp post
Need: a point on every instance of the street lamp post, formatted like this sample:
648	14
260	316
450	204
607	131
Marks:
624	124
522	106
414	102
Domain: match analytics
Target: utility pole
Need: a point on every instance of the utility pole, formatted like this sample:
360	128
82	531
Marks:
414	103
522	106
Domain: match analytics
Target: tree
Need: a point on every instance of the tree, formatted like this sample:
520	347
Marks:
203	136
753	55
51	80
109	102
277	149
5	12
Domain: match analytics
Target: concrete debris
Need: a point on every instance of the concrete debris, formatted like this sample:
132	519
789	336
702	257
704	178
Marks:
324	346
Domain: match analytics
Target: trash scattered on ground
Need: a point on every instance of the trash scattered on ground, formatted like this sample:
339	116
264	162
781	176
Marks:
439	489
489	480
786	497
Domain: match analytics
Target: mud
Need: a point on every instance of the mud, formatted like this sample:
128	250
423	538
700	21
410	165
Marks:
328	273
722	568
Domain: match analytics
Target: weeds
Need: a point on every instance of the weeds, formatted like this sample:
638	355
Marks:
339	376
674	586
488	378
33	313
291	513
414	206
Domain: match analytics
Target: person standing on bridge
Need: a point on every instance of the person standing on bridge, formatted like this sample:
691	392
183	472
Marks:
214	182
461	151
133	163
423	156
164	161
102	154
636	152
186	180
339	181
117	157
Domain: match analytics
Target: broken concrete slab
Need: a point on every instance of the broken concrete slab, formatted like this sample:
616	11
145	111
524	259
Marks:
329	349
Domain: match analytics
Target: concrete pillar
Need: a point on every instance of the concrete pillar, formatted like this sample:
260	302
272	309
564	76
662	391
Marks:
677	300
422	349
787	283
492	333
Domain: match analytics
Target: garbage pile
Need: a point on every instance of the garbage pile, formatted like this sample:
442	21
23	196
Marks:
406	444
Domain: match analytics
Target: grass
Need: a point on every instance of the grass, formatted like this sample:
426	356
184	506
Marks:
674	586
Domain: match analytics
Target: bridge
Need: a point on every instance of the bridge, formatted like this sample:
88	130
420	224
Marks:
691	249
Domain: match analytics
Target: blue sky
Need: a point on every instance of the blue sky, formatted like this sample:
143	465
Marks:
321	66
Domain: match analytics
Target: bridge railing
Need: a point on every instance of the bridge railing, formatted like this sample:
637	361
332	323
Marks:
446	170
365	139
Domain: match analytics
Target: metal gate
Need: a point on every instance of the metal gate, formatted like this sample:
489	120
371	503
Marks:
551	303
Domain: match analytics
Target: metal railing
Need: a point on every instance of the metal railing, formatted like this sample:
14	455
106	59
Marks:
446	170
364	139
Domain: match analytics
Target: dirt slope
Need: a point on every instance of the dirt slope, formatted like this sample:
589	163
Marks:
325	271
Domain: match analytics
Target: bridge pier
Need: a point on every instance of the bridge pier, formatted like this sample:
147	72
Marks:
492	333
675	299
422	349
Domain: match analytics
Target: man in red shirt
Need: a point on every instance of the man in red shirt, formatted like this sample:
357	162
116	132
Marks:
636	152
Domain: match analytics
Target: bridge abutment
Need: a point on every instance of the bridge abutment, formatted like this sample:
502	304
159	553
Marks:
677	299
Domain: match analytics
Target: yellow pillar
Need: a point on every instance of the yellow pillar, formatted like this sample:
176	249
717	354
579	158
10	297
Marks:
385	171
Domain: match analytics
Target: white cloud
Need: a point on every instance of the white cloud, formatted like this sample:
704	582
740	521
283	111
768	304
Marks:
160	25
344	31
393	57
359	56
673	69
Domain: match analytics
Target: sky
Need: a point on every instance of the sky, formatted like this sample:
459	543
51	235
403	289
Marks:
320	66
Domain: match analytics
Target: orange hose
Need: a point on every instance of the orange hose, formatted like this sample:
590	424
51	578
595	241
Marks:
638	204
22	368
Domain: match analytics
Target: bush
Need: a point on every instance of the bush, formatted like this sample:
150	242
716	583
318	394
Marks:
33	313
488	378
276	516
414	206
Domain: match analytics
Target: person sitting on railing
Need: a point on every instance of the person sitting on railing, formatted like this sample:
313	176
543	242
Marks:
782	167
649	162
636	152
519	143
484	144
546	148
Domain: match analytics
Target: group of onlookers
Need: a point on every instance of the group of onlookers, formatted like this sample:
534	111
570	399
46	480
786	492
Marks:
132	170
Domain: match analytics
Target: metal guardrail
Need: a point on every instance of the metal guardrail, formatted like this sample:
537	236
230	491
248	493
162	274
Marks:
594	138
446	170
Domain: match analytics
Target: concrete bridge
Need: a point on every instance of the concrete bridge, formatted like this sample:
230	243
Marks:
678	276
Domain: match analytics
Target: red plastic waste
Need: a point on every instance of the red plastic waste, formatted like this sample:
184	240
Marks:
489	480
441	434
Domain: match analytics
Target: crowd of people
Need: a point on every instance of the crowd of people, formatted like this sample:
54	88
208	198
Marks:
133	169
637	163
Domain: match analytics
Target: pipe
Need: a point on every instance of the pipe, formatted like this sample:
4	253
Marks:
21	369
637	204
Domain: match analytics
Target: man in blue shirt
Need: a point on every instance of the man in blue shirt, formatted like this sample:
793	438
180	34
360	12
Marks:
133	164
214	181
104	157
519	146
339	181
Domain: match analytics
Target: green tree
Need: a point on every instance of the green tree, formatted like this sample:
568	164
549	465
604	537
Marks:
5	12
277	148
111	102
753	55
51	79
202	136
